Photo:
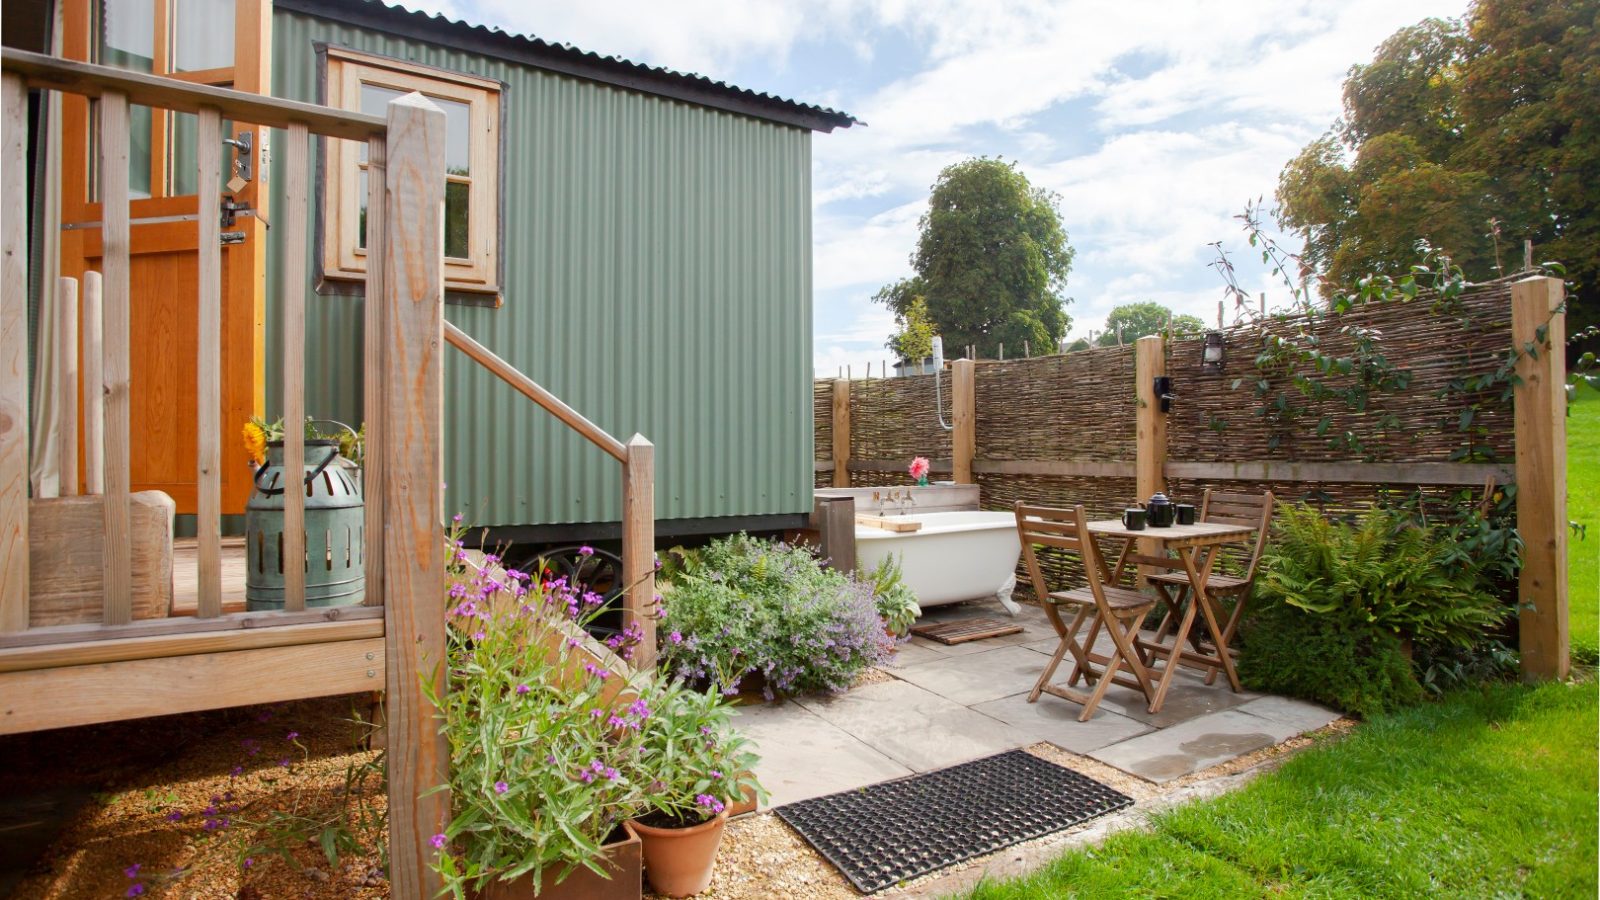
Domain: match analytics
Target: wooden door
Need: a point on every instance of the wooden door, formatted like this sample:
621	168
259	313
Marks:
177	39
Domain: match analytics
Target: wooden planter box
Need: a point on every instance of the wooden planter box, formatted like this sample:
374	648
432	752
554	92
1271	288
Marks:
622	861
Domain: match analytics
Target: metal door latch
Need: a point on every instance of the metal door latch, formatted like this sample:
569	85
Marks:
233	237
241	159
231	210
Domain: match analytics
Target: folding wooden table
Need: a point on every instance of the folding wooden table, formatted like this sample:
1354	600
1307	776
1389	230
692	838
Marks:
1189	546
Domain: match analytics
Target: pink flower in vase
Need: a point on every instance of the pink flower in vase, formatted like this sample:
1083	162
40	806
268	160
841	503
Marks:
919	469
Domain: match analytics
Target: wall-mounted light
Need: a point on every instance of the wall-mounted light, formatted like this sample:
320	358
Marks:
1162	387
1211	358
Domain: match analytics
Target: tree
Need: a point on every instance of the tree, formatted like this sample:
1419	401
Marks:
1138	320
991	261
1472	136
913	338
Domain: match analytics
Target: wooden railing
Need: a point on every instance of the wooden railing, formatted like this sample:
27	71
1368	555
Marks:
637	457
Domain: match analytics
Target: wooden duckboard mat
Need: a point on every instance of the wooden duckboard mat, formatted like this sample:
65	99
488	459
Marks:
960	631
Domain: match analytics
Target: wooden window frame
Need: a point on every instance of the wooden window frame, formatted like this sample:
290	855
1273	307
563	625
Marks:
346	71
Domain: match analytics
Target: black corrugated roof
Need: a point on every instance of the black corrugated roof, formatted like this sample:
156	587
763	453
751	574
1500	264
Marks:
570	60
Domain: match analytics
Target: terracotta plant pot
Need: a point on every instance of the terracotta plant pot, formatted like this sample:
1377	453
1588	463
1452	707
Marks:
623	861
678	861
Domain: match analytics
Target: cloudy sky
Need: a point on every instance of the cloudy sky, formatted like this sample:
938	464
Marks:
1155	120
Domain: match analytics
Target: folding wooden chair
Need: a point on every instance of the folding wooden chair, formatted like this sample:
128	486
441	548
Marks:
1229	509
1118	610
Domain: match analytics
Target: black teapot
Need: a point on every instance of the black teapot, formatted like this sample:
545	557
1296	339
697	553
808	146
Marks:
1160	512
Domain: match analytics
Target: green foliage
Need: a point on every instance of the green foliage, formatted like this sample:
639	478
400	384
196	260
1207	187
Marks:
896	602
744	605
1583	505
1131	321
1473	135
991	261
1335	604
1328	659
913	337
1489	793
690	759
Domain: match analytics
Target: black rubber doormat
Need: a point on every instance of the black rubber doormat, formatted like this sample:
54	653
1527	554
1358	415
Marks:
882	835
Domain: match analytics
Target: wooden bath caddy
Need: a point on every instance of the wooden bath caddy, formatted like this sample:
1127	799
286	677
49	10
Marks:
886	525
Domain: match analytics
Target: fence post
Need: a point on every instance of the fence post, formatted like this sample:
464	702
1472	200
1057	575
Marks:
413	538
963	419
14	360
834	518
639	546
841	433
1538	332
1150	458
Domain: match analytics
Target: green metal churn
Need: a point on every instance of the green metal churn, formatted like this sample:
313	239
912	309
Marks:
335	562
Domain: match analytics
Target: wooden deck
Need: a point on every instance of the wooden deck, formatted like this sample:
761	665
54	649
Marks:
186	575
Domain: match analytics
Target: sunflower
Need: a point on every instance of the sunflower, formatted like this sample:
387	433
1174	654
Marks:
255	442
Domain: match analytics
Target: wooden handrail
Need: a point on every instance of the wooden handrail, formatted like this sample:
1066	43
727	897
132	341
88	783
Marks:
90	80
533	391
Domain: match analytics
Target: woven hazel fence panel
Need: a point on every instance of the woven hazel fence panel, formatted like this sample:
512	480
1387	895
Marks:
1211	420
1075	407
896	419
822	428
1102	498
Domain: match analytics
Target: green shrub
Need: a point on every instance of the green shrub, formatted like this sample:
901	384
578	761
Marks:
1336	603
897	603
742	605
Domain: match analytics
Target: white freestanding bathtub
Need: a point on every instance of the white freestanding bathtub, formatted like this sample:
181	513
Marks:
955	556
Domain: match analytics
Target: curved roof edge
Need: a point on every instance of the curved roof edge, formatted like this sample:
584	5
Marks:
569	60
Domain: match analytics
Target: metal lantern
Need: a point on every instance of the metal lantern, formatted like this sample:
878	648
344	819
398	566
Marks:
335	563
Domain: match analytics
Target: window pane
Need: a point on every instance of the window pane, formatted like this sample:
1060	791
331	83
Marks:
456	244
375	102
202	35
125	37
182	131
361	204
458	136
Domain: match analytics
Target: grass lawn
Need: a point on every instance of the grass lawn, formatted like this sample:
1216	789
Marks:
1583	505
1488	793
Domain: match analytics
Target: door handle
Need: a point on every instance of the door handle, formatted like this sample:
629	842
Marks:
242	158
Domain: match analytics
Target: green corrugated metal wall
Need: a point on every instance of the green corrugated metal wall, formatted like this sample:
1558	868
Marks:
657	279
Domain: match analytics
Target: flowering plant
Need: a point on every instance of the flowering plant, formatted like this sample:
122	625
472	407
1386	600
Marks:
544	728
919	469
745	606
694	763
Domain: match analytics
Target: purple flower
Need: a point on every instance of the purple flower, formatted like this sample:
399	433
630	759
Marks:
248	862
456	518
708	802
174	816
586	550
132	871
478	635
676	637
236	770
438	841
500	787
611	774
284	762
134	890
291	735
523	689
715	774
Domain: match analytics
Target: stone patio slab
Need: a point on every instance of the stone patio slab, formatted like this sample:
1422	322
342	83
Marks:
911	653
1056	720
803	756
1188	698
1197	744
978	677
1300	715
915	727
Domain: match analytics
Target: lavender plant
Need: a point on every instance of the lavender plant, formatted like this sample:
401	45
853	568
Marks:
751	606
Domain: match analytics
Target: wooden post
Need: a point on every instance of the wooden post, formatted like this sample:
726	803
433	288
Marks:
297	163
373	345
1150	456
841	433
963	419
118	566
834	518
67	382
94	399
208	389
14	357
639	547
1541	424
413	536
